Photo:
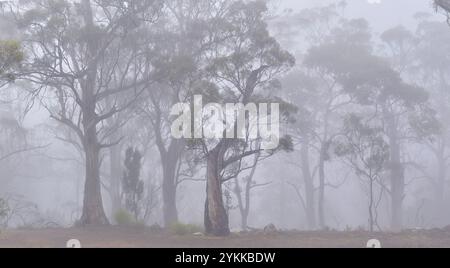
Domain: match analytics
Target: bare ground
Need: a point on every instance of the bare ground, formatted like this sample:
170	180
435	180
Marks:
120	237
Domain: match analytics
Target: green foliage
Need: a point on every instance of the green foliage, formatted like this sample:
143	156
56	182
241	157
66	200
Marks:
185	229
4	208
124	218
444	4
250	54
10	56
425	123
286	144
364	145
133	186
398	34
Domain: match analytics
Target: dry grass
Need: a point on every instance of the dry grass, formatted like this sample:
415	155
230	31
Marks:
120	237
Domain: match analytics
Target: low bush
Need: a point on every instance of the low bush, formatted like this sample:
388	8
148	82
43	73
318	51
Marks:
124	218
185	229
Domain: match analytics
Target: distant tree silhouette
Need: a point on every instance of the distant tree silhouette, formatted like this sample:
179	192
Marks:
133	186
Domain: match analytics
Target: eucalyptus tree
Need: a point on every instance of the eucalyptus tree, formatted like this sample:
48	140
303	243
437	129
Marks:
314	87
360	78
11	56
366	151
243	185
12	133
186	36
444	4
244	63
431	71
80	58
419	59
401	107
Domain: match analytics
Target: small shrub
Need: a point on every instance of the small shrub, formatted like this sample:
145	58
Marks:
156	228
124	218
3	208
185	229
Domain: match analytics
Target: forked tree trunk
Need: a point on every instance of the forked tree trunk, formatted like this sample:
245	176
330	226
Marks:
93	211
170	159
216	218
243	199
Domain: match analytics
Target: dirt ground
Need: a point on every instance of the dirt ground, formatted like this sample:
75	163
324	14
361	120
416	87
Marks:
116	237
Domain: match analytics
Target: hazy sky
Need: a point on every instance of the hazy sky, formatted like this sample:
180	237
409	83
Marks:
382	14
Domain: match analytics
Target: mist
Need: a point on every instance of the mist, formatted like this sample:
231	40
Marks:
99	126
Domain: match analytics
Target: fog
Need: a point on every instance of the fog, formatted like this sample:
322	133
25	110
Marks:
87	97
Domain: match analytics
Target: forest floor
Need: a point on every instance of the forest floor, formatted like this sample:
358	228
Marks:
122	237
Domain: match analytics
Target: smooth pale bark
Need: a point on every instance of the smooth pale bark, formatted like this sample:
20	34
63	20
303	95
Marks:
439	183
309	187
170	155
371	205
244	201
441	153
170	159
115	177
397	188
322	186
397	176
442	173
242	208
324	146
169	189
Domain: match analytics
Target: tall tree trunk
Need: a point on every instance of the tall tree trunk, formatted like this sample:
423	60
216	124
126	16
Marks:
441	154
397	190
244	201
93	211
170	159
439	183
321	202
115	177
397	176
242	209
169	189
216	218
371	205
309	187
